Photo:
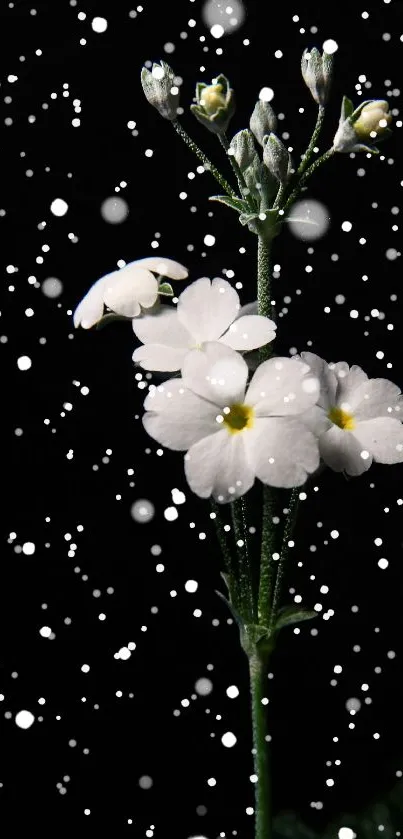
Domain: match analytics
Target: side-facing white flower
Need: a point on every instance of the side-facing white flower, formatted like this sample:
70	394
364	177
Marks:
206	311
232	437
127	290
357	419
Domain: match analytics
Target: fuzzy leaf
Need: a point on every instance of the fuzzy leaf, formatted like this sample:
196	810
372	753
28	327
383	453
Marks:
235	203
293	614
347	108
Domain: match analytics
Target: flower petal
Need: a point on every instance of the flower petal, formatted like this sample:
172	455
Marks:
91	307
349	381
327	379
176	417
316	419
163	327
382	437
132	286
282	386
219	465
284	451
377	398
249	332
159	357
341	450
248	309
165	267
216	372
206	309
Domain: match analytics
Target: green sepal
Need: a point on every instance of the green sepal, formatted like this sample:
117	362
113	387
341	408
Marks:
233	611
110	318
347	108
235	203
199	87
166	290
289	615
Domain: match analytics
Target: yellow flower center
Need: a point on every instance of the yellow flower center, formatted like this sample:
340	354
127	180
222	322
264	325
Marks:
212	98
237	417
342	419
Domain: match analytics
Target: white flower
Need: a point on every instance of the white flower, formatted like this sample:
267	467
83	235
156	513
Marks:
206	311
357	419
126	290
232	437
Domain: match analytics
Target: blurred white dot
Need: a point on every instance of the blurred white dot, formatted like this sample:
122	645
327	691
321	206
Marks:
145	782
308	220
169	47
229	17
346	226
392	253
142	510
330	46
171	513
228	739
203	686
24	719
114	210
24	362
28	548
232	692
217	31
346	833
353	704
266	94
59	207
52	287
99	24
191	586
383	563
209	240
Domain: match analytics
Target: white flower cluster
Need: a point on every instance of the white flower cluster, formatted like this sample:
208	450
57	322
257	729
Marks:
294	411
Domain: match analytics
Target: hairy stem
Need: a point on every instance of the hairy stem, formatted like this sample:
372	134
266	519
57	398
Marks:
204	159
263	819
285	548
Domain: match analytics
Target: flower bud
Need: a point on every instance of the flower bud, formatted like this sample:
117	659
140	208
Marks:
368	122
263	120
317	72
215	104
276	157
160	89
242	148
374	117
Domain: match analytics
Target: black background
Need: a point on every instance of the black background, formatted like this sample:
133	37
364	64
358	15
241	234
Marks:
127	737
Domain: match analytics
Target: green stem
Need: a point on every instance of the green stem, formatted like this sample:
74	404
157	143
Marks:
231	571
288	531
312	143
263	286
244	575
257	674
243	187
266	560
313	167
204	159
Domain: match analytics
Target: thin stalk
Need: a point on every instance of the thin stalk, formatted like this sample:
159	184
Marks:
244	574
263	286
263	819
266	560
208	165
288	531
315	165
312	143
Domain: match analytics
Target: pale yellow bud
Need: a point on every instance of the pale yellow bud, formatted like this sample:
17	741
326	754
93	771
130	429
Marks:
212	98
374	117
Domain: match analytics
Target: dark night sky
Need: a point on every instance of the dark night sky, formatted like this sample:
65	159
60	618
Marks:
96	734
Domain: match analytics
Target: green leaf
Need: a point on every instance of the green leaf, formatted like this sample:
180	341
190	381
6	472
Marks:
110	318
289	615
235	203
233	611
166	289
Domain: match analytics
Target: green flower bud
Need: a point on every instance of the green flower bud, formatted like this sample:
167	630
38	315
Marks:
317	73
276	157
215	104
263	120
369	122
242	147
160	89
